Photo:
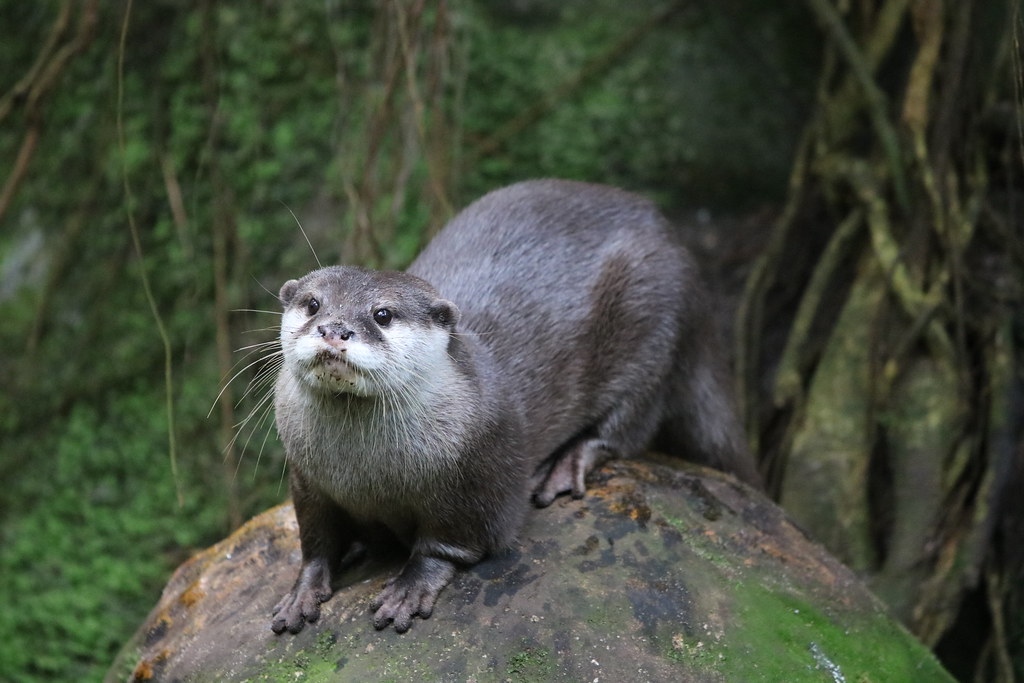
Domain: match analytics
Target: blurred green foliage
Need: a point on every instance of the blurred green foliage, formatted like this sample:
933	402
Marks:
247	112
703	112
100	526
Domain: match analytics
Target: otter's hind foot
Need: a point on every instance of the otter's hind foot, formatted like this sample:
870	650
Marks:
411	593
569	472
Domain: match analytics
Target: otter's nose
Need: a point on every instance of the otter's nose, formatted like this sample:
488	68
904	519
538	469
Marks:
335	333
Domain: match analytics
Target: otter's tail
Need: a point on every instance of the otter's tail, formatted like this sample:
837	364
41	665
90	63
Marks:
701	423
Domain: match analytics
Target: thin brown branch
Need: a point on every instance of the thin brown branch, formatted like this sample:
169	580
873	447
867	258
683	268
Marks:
37	85
28	146
223	228
410	52
87	21
25	85
177	203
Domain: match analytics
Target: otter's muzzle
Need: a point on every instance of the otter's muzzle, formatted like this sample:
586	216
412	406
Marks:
335	333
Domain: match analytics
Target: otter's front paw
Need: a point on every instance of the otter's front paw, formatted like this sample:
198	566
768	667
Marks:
296	608
411	593
302	604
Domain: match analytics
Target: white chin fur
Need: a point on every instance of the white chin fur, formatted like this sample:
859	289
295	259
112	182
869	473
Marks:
320	366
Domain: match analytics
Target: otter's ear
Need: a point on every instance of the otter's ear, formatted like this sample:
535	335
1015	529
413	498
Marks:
445	313
287	292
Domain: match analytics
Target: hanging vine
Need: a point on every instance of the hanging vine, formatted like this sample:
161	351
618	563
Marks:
884	417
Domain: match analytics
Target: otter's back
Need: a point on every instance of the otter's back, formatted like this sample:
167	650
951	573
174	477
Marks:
576	289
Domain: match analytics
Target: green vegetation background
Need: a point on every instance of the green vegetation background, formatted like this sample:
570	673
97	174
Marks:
249	112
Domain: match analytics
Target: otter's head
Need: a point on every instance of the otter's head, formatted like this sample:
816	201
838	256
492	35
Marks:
364	332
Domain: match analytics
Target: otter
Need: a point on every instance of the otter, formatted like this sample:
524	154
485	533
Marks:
549	326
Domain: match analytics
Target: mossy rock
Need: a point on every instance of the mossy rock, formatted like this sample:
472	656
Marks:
659	574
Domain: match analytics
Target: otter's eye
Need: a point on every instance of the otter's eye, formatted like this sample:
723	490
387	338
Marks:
382	317
312	307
